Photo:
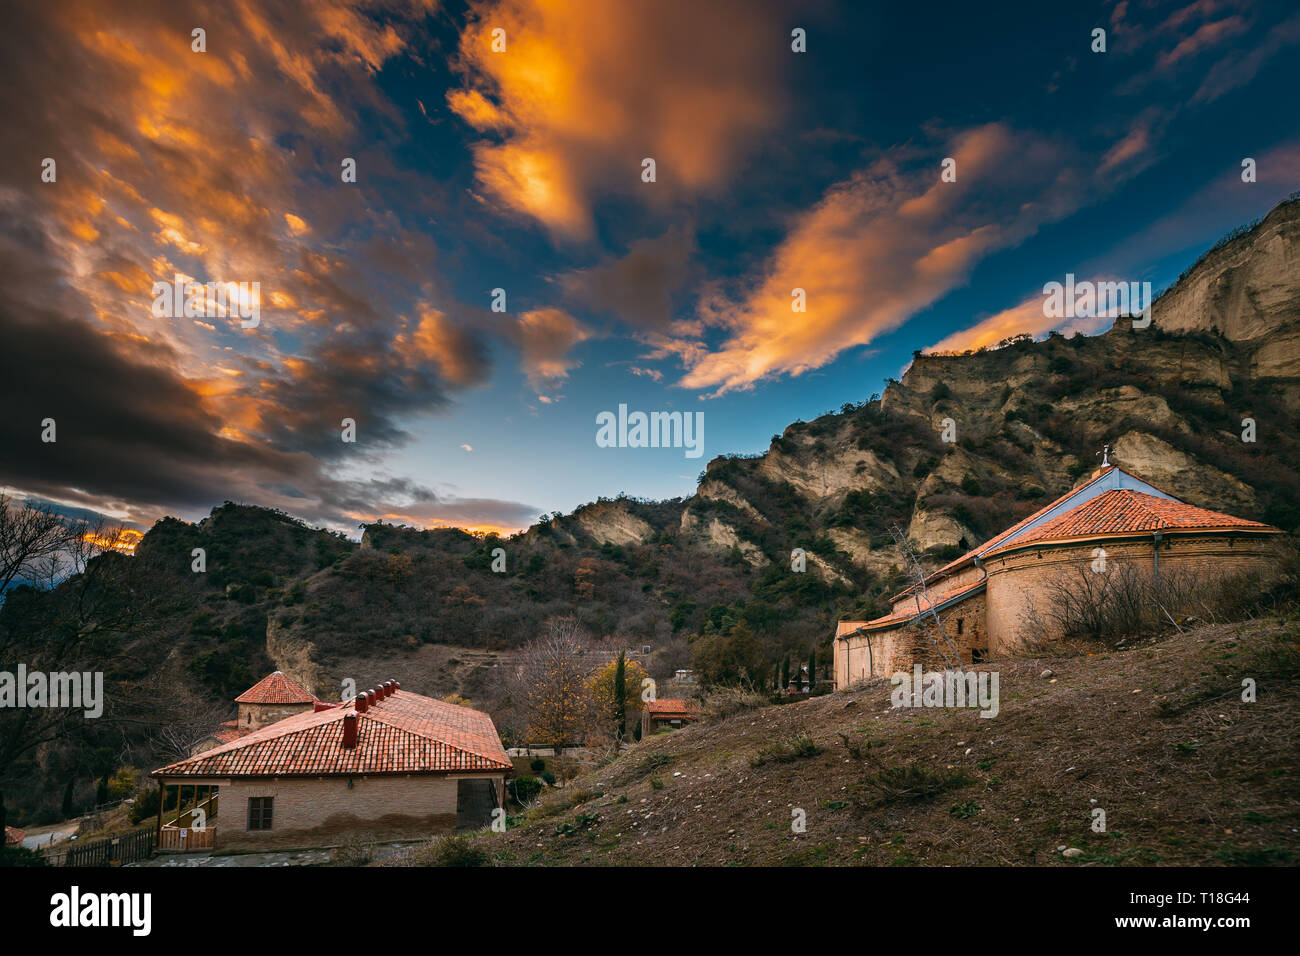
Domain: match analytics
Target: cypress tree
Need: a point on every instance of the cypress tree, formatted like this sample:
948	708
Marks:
812	668
101	791
620	695
785	671
67	800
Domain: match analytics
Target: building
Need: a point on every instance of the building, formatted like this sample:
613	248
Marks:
390	765
988	598
671	712
273	698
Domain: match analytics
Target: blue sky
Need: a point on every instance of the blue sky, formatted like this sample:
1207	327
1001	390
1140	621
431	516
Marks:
521	169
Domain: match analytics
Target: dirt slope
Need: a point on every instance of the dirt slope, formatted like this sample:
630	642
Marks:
1157	736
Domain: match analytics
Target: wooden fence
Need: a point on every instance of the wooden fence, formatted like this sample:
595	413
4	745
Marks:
110	851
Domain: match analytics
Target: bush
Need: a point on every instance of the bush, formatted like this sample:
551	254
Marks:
20	856
454	851
785	751
145	806
537	766
549	778
525	789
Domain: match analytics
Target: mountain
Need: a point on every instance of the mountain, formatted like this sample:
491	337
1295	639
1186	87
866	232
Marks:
708	580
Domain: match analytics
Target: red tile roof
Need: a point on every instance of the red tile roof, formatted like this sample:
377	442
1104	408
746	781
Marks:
229	730
14	835
1132	512
404	733
1102	473
900	617
673	708
275	689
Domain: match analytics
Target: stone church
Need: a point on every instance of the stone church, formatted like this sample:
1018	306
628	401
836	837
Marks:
984	598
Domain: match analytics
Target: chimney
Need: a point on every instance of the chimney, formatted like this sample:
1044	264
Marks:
349	731
397	685
363	703
389	688
371	697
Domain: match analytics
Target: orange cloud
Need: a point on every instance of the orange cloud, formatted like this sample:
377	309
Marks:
877	248
584	92
546	336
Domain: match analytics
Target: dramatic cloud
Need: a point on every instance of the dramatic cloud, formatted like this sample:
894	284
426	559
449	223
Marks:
585	91
224	167
877	248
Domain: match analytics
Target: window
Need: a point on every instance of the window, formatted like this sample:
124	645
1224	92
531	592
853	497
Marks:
979	655
960	622
259	813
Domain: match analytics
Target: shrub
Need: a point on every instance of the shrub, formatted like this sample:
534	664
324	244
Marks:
454	851
145	806
525	789
785	751
537	766
548	777
909	782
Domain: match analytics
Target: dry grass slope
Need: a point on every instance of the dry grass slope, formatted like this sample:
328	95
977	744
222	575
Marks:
1156	735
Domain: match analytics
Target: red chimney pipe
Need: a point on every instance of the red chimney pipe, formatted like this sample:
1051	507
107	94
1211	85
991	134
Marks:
363	704
371	697
349	731
397	685
388	688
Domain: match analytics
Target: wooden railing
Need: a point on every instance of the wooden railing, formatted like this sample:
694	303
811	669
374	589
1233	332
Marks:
186	839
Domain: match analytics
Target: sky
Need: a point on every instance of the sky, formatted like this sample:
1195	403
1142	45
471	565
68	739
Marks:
500	153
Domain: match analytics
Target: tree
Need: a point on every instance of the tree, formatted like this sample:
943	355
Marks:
812	668
610	698
552	687
785	671
72	599
620	695
728	655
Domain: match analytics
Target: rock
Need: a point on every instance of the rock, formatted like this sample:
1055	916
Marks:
1047	673
1072	852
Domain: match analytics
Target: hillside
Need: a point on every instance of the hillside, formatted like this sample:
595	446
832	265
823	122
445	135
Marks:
1157	736
706	581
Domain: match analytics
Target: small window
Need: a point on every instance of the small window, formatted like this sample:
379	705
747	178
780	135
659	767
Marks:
979	655
960	622
259	813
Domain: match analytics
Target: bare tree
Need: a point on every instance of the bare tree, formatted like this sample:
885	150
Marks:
551	685
31	538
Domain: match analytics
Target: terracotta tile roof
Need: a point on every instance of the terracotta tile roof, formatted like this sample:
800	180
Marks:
404	733
673	708
1132	512
229	730
1112	474
994	541
275	689
14	835
905	615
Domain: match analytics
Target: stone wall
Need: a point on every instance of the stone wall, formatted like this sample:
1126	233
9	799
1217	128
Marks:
253	716
1018	583
897	649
